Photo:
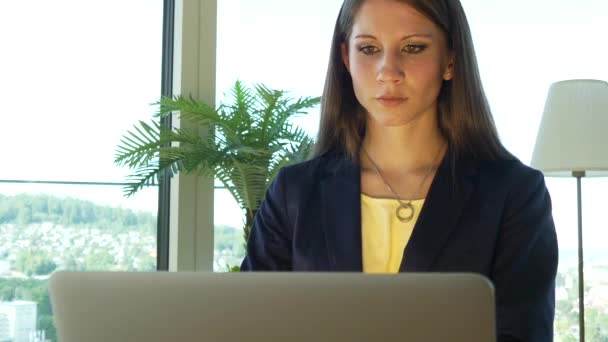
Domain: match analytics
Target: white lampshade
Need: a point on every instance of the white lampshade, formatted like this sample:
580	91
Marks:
573	134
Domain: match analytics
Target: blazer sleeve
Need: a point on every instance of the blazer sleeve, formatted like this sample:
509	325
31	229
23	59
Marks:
269	243
525	263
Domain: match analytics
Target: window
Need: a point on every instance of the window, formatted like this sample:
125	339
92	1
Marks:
75	77
284	50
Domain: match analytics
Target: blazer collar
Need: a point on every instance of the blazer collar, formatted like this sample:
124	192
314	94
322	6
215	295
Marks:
448	196
341	213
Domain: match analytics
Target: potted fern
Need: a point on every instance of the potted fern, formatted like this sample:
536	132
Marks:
248	141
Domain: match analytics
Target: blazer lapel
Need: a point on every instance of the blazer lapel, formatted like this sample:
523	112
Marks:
341	215
447	197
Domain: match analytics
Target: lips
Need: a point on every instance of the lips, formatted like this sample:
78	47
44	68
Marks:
390	101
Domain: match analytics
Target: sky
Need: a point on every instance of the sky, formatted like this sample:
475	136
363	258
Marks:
77	74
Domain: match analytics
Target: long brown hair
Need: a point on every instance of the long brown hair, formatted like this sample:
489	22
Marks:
464	115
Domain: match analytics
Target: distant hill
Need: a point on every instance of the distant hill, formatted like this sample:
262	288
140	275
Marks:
25	209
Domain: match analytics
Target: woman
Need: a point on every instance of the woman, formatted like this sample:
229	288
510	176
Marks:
409	173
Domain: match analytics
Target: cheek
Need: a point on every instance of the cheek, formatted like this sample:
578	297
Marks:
361	68
362	71
427	70
426	75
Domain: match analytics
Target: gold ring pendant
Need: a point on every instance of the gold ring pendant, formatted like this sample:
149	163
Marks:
405	212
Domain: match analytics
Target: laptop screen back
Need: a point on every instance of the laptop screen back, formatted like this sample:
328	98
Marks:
201	306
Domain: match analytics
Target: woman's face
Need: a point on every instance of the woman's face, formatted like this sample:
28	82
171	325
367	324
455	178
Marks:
398	60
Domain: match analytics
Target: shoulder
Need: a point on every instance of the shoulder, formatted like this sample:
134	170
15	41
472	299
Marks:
310	166
307	178
316	168
509	173
295	184
522	188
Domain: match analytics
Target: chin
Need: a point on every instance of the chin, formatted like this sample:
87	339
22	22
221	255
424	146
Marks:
393	124
397	117
392	120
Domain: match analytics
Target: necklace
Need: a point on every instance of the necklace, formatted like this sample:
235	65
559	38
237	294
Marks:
405	211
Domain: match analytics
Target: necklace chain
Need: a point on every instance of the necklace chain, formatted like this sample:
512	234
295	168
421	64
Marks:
405	211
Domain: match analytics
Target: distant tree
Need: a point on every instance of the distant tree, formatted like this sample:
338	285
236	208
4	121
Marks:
24	262
128	218
40	208
75	214
55	209
229	238
7	291
596	323
71	262
44	267
88	212
146	263
101	260
34	263
46	323
102	215
24	215
8	212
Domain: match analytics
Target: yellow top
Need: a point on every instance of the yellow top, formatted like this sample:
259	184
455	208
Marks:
384	237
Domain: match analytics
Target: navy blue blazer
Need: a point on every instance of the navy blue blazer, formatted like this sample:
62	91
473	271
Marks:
488	217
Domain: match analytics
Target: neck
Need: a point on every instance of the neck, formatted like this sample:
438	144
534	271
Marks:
408	148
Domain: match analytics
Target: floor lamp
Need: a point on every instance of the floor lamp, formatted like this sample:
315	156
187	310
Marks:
572	141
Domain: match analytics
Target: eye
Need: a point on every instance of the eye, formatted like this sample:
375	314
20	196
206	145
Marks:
367	49
414	48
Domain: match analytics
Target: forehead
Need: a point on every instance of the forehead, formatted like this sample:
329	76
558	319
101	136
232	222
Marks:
391	18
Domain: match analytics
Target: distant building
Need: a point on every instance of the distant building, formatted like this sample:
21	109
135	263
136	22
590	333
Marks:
5	268
5	335
20	318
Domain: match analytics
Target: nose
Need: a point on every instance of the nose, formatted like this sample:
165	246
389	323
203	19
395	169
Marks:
389	69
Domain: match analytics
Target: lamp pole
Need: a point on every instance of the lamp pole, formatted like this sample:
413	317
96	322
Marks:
571	142
581	283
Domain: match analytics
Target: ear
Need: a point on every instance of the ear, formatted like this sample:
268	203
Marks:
344	52
448	71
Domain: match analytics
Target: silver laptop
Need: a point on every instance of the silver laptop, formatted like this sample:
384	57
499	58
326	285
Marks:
222	307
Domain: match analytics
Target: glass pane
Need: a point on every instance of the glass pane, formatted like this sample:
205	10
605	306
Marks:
229	248
270	22
595	245
521	47
75	77
286	52
48	227
563	197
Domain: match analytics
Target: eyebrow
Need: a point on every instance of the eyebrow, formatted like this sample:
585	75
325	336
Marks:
428	35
